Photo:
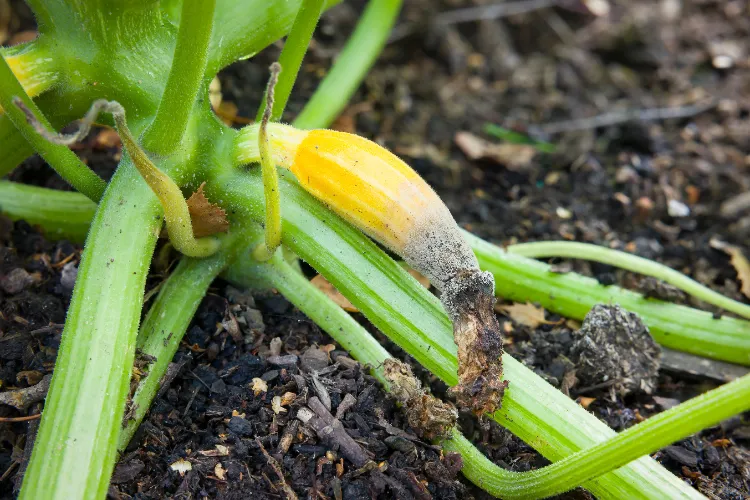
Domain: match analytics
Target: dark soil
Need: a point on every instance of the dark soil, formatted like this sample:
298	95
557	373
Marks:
661	189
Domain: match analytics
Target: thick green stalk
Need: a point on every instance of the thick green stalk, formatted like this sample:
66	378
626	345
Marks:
185	78
292	54
585	251
572	295
642	439
351	66
75	449
61	215
532	409
677	423
63	160
168	319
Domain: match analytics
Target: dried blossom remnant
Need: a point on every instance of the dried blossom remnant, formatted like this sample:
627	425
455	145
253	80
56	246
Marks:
427	415
470	301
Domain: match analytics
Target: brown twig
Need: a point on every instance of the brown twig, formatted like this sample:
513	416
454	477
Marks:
21	398
619	117
330	430
290	494
21	419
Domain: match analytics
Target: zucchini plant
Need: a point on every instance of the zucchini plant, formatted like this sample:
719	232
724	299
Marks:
148	65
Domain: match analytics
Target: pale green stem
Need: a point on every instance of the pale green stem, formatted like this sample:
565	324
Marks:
61	215
75	448
267	248
623	260
292	54
62	159
352	64
185	78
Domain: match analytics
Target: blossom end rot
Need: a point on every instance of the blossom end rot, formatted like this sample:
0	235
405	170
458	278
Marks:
377	192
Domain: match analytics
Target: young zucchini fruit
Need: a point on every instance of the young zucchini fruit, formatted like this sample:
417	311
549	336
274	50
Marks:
381	195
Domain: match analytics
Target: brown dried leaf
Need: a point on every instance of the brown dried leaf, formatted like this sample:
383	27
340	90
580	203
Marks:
220	472
586	402
738	260
327	288
107	138
526	314
419	277
219	451
23	37
515	157
207	217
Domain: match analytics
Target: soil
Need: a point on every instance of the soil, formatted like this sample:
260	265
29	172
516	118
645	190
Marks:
659	188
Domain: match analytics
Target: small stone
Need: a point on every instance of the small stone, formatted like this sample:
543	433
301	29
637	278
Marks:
240	426
17	280
313	360
677	208
400	444
68	276
682	456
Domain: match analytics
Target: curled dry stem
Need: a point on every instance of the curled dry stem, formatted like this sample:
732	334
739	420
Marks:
272	240
176	211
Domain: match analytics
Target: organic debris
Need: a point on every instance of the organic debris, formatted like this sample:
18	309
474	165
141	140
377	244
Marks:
515	157
738	260
207	218
614	346
427	415
526	314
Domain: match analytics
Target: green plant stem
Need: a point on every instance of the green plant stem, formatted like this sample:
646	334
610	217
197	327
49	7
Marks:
413	318
658	431
15	147
642	439
168	318
75	448
630	262
272	239
62	159
571	295
185	78
351	66
292	54
61	215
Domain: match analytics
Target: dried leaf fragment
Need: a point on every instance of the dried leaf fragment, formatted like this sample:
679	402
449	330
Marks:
515	157
327	288
276	405
207	218
182	466
259	386
219	451
220	472
526	314
738	260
